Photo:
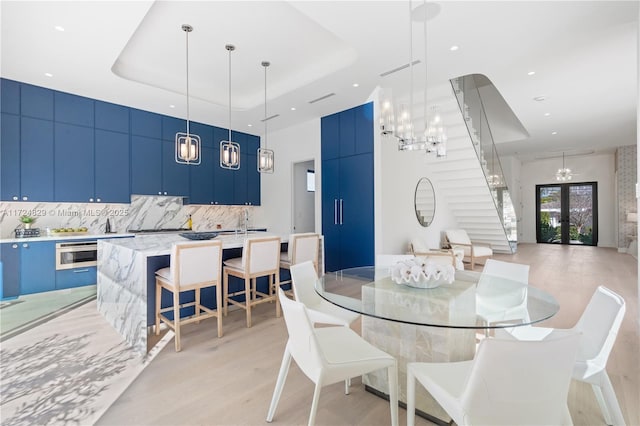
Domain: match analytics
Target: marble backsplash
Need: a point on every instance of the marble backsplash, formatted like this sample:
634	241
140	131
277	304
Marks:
144	212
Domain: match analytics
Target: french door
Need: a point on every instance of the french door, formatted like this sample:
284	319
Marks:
567	213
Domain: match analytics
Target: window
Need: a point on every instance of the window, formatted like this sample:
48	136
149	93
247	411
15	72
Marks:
311	181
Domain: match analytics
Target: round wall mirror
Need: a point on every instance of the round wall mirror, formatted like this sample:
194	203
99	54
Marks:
425	202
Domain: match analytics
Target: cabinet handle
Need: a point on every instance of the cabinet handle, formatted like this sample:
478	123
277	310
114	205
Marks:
25	245
335	211
165	192
91	200
15	198
25	198
98	200
341	211
14	246
77	271
160	193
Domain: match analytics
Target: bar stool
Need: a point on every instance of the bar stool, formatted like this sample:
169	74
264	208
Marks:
194	265
260	257
303	247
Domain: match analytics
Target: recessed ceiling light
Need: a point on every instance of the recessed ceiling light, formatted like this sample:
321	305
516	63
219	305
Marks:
531	73
48	74
59	28
454	48
172	106
540	98
546	114
554	133
293	108
355	85
250	125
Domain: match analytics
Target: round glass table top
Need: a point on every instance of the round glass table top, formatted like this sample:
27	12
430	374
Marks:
472	300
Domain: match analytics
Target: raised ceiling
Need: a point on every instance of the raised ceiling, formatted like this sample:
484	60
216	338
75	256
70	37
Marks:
584	55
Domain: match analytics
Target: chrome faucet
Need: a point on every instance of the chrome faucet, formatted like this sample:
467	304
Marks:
244	221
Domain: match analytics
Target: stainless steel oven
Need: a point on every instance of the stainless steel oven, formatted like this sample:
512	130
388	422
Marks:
71	255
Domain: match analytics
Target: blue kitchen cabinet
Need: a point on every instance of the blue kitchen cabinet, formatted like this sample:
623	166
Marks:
73	109
171	126
112	160
77	277
36	160
240	177
205	132
330	213
10	253
10	96
74	163
175	176
223	178
201	178
146	166
112	117
330	131
146	124
36	102
363	116
37	267
10	157
347	190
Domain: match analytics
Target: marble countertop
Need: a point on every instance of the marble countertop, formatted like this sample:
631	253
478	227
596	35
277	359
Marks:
159	245
62	237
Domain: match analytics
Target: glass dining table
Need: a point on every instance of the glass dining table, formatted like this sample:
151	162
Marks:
431	325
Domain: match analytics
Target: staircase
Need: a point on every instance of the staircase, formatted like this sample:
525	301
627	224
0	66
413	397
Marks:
462	178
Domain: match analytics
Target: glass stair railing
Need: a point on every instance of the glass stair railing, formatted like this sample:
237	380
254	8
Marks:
472	108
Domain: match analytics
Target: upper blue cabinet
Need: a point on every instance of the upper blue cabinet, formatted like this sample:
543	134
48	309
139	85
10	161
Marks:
73	109
348	132
58	146
36	102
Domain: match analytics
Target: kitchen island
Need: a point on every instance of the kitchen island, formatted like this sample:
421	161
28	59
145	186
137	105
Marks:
126	279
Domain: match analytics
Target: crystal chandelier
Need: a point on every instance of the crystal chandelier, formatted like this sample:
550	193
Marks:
229	150
265	156
563	174
187	144
413	132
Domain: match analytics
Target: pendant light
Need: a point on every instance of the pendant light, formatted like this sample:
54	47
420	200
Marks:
399	121
229	150
187	144
265	156
564	174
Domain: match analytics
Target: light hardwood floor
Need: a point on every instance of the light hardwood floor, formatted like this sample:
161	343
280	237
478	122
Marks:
229	381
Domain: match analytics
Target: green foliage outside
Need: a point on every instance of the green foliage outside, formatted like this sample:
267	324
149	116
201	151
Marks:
548	233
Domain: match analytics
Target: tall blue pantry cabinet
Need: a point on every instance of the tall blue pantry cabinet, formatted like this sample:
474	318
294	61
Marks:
347	188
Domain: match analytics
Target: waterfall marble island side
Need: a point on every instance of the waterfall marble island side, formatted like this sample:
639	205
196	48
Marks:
126	279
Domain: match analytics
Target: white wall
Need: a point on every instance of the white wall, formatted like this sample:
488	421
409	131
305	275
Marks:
592	168
304	200
290	145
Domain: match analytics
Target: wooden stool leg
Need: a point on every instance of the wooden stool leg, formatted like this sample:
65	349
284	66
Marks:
225	283
197	307
176	317
247	299
277	285
158	306
219	308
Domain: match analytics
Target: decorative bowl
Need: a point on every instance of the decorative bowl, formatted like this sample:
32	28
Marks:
422	273
199	235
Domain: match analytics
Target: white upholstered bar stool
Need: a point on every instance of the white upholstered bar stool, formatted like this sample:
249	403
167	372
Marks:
194	265
260	258
302	247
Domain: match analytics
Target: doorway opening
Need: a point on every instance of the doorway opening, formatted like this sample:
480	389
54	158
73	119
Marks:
304	197
567	213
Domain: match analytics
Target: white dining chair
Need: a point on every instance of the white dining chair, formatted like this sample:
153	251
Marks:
507	383
193	266
598	326
328	355
501	293
304	278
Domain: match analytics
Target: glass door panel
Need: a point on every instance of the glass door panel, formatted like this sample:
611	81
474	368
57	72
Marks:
567	213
